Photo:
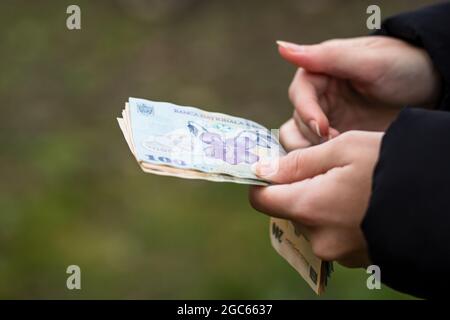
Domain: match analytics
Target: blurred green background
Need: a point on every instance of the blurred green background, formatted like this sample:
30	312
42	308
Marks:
70	191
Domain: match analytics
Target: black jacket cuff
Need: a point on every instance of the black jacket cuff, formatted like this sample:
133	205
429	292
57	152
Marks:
407	222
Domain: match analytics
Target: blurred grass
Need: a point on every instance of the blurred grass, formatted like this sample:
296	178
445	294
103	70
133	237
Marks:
70	192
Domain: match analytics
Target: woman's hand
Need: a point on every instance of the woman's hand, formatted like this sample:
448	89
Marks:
354	84
325	189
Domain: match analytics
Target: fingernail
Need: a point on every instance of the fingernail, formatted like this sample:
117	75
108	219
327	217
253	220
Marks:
263	168
315	127
292	47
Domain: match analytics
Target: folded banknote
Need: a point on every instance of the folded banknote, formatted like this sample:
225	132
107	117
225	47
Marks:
187	142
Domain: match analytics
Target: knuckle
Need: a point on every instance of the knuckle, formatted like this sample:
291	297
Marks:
330	47
305	160
293	87
284	130
297	156
332	44
295	160
323	249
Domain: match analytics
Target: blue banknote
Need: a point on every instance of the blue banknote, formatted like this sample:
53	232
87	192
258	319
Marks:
191	141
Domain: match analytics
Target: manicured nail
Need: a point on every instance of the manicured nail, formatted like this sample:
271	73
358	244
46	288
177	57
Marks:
263	168
292	47
315	127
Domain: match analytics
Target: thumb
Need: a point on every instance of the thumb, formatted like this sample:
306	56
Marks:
335	57
300	164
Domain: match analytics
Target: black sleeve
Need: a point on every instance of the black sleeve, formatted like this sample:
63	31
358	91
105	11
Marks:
407	224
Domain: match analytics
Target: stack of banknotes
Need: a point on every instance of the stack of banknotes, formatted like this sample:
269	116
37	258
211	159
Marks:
186	142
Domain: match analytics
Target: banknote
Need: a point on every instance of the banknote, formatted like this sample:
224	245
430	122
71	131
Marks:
292	244
187	142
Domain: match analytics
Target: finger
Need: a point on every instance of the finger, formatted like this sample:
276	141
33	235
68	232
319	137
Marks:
331	244
305	130
334	57
304	93
303	163
281	201
291	138
333	133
